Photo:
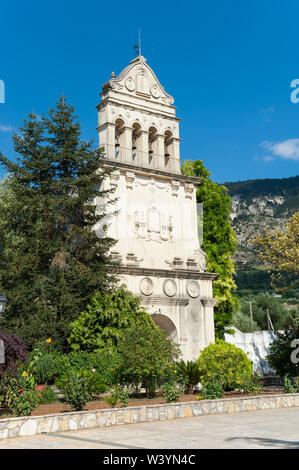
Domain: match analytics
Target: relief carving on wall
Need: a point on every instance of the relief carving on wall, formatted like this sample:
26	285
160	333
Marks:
170	287
193	289
146	286
152	183
151	225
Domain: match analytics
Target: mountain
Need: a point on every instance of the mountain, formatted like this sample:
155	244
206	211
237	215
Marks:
258	205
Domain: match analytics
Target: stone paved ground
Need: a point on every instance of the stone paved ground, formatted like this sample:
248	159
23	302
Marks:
274	429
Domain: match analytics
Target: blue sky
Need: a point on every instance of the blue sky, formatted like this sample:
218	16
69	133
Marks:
228	64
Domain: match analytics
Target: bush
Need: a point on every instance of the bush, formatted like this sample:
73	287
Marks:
24	402
172	391
279	357
227	361
146	351
47	396
53	365
288	385
251	385
76	390
15	352
50	366
190	371
212	388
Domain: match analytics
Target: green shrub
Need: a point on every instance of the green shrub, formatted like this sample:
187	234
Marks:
146	350
24	402
227	361
190	370
47	396
50	366
279	357
288	386
172	391
296	384
212	388
250	385
113	398
76	390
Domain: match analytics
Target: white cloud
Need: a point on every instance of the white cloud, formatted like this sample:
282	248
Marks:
268	158
287	149
6	128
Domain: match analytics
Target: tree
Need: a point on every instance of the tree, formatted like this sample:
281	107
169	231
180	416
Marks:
52	261
146	350
281	250
102	324
281	349
262	303
219	242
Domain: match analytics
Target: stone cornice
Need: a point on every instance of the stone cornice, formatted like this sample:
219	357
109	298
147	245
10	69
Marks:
172	273
158	299
140	169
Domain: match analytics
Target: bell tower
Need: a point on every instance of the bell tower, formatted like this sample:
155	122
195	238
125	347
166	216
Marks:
156	223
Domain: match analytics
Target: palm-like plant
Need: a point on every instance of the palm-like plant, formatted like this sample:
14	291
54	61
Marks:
190	370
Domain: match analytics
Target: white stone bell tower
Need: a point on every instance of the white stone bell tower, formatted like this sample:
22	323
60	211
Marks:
156	224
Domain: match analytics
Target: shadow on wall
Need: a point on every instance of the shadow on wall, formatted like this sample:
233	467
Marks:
256	345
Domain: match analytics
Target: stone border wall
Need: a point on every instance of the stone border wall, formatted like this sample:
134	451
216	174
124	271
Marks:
71	421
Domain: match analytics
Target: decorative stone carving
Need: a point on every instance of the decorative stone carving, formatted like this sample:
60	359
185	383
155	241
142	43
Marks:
146	286
144	80
130	84
209	302
170	287
130	176
193	289
155	91
114	177
175	187
188	190
152	225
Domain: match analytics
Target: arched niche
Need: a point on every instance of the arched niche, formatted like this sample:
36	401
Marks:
142	83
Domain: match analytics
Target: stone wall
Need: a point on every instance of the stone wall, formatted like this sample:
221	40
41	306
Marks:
33	425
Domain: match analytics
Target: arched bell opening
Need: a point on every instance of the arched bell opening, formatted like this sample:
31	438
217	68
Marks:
136	140
152	142
168	147
119	136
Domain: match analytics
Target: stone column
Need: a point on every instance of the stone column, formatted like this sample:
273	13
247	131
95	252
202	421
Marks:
208	307
107	140
175	164
160	151
126	146
144	143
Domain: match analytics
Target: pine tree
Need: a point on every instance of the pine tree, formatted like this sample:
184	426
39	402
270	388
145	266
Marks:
219	242
53	261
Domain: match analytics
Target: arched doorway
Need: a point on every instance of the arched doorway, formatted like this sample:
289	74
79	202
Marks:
166	324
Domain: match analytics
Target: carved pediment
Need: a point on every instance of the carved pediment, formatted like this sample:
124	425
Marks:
138	79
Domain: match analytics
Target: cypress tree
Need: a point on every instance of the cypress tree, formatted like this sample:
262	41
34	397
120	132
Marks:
53	261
